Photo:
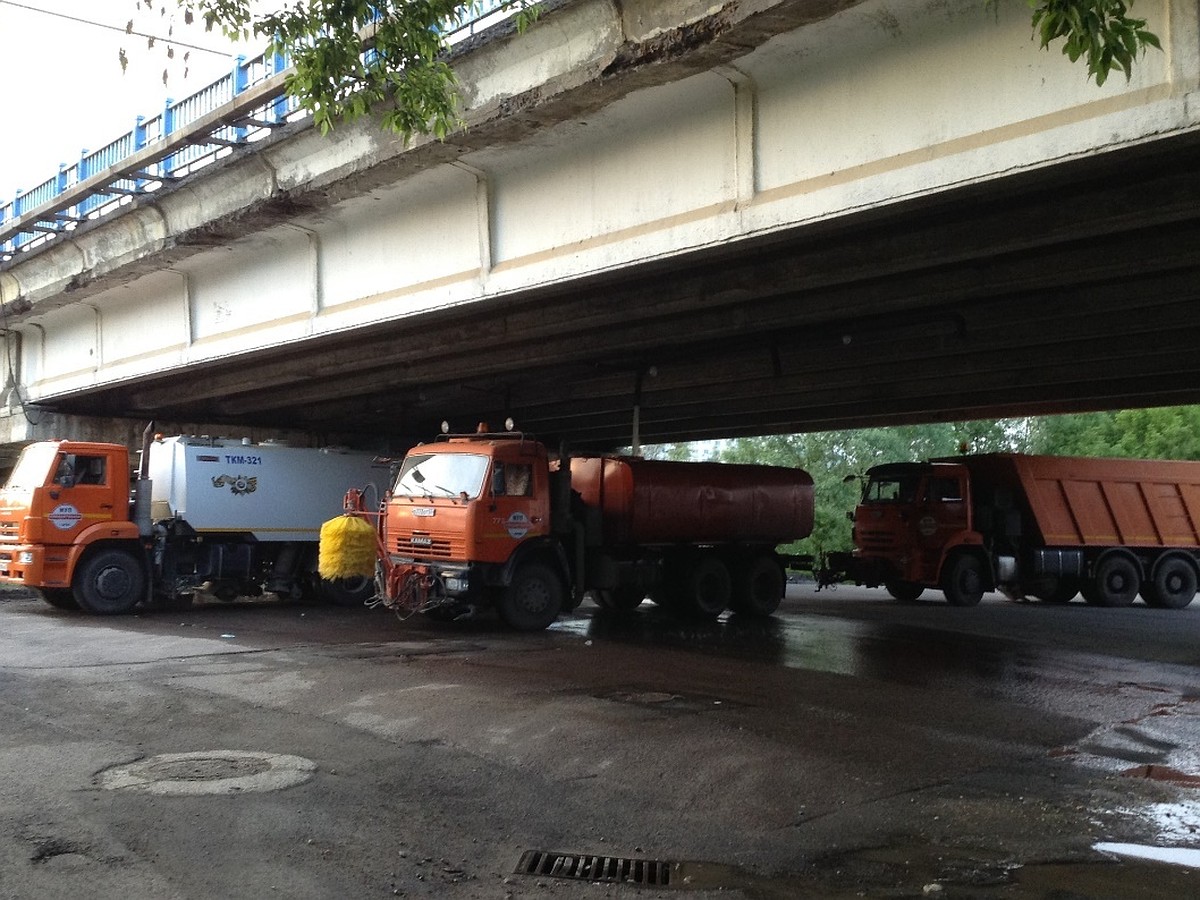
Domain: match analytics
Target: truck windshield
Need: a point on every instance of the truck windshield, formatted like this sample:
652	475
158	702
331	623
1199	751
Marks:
32	468
895	488
441	475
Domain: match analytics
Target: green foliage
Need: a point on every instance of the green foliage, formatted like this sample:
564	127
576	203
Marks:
1098	31
1169	432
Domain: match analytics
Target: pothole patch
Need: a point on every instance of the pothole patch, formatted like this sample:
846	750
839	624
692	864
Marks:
209	772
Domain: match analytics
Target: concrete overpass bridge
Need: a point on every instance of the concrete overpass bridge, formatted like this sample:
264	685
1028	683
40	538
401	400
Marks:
731	218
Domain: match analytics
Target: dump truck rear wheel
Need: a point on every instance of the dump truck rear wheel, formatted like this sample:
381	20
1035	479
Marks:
759	587
1117	581
709	588
59	598
904	591
963	581
533	599
1173	585
109	583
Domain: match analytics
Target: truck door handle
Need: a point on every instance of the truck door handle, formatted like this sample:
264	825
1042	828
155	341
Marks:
106	506
536	520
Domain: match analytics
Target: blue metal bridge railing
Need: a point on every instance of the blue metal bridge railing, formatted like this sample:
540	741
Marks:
238	109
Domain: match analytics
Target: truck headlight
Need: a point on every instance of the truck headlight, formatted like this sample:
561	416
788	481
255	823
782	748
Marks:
456	584
25	557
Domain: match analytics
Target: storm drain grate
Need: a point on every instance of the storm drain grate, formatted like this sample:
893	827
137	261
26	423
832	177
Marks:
648	872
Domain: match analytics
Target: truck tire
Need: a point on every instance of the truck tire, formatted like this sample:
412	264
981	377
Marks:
1117	581
1173	585
347	592
59	598
709	588
904	591
963	580
110	583
759	587
533	599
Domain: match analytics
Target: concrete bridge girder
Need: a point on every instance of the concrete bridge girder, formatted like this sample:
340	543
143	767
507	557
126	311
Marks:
735	196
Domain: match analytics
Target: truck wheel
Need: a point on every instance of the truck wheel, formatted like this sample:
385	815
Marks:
110	583
904	591
1173	586
1117	581
347	592
59	598
759	588
963	581
708	588
533	600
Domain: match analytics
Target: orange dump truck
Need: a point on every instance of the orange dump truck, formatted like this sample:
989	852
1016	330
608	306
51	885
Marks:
491	519
1048	527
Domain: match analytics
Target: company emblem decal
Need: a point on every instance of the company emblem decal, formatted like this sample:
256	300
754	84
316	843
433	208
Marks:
239	484
927	526
517	524
65	516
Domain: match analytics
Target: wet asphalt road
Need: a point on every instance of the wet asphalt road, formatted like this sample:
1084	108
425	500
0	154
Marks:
849	746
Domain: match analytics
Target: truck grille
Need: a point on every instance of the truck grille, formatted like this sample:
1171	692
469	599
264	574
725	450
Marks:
875	540
9	530
426	545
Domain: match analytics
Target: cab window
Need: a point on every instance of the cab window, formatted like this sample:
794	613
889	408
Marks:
945	490
78	468
512	479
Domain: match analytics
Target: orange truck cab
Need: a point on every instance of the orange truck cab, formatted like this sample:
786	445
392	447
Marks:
62	498
912	517
467	513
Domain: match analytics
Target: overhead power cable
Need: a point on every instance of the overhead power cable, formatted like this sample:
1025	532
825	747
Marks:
155	37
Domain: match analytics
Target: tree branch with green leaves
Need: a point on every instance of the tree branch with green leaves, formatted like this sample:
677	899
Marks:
1100	32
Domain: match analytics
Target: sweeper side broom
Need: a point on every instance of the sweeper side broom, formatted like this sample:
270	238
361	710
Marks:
352	547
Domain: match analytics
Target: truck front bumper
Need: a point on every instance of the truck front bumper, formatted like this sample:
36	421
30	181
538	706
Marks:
33	566
444	579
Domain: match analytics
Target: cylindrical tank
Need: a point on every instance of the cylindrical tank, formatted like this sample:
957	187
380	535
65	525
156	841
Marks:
645	501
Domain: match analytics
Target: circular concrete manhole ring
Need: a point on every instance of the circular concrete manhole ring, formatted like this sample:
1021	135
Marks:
210	772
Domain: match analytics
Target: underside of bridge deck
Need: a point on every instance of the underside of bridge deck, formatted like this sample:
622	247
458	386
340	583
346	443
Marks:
1068	288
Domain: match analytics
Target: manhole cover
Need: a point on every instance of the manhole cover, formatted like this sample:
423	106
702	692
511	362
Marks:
210	772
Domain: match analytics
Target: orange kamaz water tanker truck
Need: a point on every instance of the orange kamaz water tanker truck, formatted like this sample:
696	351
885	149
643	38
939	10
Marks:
228	516
491	519
1047	527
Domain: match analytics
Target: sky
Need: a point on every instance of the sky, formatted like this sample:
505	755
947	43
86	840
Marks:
63	86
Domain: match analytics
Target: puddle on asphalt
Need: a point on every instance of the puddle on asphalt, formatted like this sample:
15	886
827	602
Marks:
932	872
897	653
1179	856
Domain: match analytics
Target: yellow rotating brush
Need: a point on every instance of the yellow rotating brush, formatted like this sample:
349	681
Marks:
347	548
